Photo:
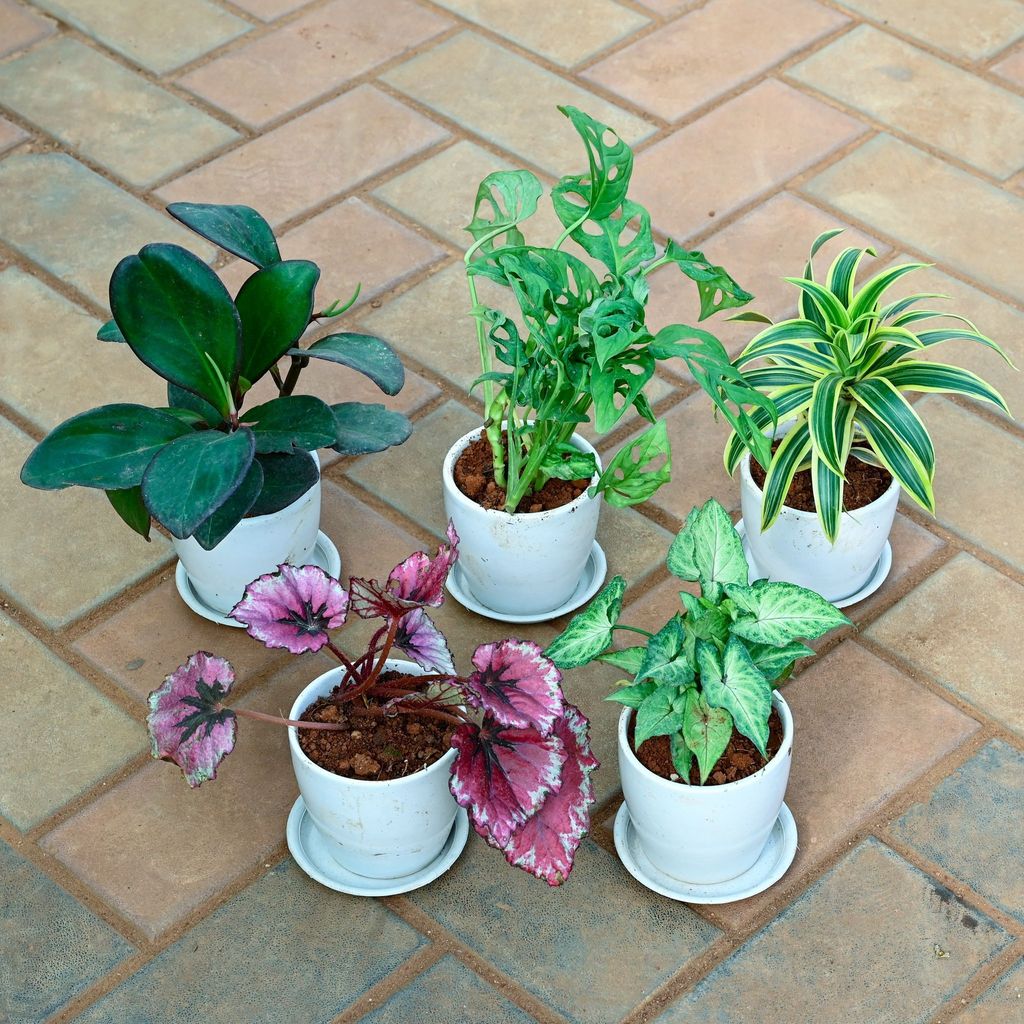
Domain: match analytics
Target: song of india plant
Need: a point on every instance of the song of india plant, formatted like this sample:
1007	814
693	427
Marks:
523	759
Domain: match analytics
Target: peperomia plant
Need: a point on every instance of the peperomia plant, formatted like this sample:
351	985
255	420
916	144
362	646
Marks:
587	345
712	667
523	762
202	463
841	370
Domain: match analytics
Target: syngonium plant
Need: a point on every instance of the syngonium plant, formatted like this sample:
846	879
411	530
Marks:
587	346
523	759
203	462
841	370
713	666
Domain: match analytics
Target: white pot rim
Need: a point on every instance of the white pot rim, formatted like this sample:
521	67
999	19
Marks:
799	513
306	697
709	792
460	499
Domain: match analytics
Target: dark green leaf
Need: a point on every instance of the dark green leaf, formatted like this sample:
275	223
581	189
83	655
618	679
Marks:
128	504
230	514
370	356
286	477
109	447
707	731
361	428
179	398
291	423
717	290
238	229
590	632
110	332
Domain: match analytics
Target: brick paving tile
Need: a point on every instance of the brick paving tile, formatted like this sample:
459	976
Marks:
734	154
962	825
448	993
950	25
90	743
292	929
20	26
849	918
980	661
900	190
10	134
269	10
1012	67
50	945
160	37
120	845
633	544
310	57
517	111
1000	1003
317	156
110	115
353	244
561	32
76	224
591	948
704	54
913	92
71	370
78	552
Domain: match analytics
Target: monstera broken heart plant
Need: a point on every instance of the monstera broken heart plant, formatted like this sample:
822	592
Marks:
238	489
524	493
705	740
375	741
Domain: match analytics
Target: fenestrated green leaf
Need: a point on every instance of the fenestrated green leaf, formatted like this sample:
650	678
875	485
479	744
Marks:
633	696
943	379
614	324
790	401
628	659
370	356
717	550
706	730
778	613
716	288
128	504
665	659
108	447
566	462
361	428
503	200
590	632
732	681
210	533
292	422
616	388
275	305
238	229
773	661
622	243
634	474
660	714
178	318
682	756
193	476
110	332
286	477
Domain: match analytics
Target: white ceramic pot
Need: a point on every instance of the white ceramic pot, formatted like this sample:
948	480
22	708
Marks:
521	563
705	834
794	549
378	829
254	547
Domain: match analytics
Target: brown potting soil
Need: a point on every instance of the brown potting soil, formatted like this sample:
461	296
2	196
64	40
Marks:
372	747
741	757
864	484
474	476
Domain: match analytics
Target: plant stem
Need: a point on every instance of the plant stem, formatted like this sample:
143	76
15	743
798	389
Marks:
261	716
340	655
298	362
276	374
385	650
636	629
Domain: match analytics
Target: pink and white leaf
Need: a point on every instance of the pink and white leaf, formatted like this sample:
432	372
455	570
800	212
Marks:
419	637
516	684
293	608
546	843
501	776
187	723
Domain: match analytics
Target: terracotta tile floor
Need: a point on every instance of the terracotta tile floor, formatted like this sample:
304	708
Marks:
361	130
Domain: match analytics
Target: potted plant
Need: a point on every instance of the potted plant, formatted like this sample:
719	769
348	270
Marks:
524	493
819	509
237	489
384	751
705	739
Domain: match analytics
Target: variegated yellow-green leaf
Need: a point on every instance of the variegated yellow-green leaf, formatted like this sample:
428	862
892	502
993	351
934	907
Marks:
589	633
779	613
706	730
731	680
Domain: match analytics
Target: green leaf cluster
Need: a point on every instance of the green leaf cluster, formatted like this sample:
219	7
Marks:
200	464
579	348
841	370
713	666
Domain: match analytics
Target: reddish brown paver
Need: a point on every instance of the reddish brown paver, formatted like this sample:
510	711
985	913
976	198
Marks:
364	130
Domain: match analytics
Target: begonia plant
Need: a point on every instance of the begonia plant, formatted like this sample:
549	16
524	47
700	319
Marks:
202	463
587	346
713	666
523	759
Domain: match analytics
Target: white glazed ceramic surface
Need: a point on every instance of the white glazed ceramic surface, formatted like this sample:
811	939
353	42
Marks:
526	563
382	829
795	549
705	834
254	547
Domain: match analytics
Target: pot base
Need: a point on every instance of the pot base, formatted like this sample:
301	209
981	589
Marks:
325	555
878	576
590	582
773	863
311	854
